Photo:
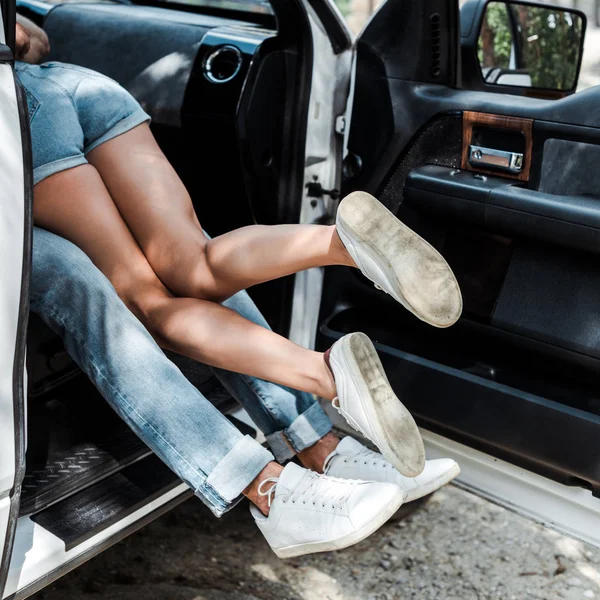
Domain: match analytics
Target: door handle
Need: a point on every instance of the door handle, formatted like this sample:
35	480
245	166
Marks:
502	160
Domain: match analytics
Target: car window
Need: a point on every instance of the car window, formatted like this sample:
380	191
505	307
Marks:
357	12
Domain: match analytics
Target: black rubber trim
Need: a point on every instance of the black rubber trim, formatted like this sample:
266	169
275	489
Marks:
6	54
265	20
93	510
19	394
9	16
82	558
86	465
334	26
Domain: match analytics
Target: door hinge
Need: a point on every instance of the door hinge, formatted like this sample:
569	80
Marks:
316	190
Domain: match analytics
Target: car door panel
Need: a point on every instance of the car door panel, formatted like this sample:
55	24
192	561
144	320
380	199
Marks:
417	108
517	377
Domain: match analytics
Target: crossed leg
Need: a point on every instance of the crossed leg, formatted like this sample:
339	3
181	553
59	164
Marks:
158	211
77	205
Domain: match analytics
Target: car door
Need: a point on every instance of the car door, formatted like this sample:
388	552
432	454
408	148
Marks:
15	237
512	390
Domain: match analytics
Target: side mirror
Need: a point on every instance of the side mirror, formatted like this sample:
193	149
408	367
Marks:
522	48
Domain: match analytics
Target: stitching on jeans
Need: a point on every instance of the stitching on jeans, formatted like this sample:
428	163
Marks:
57	84
285	431
56	64
208	491
122	126
262	399
125	400
263	403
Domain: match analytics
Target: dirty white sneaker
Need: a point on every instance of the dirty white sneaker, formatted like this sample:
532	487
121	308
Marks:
398	260
352	460
367	401
314	513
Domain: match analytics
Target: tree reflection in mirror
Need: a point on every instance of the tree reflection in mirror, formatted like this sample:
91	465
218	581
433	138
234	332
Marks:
531	46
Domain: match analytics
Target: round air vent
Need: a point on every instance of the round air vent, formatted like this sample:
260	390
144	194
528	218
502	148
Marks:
222	64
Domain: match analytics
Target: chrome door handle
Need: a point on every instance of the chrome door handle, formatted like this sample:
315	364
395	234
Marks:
512	162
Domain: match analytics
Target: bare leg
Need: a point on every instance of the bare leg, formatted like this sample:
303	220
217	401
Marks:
313	458
251	492
76	205
158	211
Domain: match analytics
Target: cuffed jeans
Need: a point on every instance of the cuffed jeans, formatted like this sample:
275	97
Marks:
150	393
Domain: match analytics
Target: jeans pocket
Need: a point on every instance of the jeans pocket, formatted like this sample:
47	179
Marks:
32	104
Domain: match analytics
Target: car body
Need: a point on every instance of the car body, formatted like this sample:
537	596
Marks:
270	111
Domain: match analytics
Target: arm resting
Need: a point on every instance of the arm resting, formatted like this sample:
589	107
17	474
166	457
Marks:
39	45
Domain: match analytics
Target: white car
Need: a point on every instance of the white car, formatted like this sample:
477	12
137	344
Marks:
270	111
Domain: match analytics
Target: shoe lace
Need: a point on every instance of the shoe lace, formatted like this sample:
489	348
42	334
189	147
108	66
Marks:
363	455
367	455
312	490
271	491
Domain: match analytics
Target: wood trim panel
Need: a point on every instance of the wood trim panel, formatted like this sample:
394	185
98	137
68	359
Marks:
471	119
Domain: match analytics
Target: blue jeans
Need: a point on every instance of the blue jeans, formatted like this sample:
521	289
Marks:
73	110
150	393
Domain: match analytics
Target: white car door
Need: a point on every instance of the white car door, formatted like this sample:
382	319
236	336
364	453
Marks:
15	235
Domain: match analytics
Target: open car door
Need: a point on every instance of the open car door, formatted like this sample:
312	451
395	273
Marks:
512	391
15	243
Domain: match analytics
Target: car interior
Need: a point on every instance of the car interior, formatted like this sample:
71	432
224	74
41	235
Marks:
517	377
217	85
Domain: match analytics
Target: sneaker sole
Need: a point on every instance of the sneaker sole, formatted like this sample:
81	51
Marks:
398	437
434	485
347	540
363	218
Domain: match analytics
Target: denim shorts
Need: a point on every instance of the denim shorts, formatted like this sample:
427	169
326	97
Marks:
73	110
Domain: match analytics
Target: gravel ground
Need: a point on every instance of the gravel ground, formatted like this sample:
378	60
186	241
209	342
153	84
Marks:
454	547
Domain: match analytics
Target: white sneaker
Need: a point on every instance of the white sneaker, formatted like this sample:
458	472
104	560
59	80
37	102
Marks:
367	401
398	260
314	513
352	460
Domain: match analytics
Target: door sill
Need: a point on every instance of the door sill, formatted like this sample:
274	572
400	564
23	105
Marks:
39	557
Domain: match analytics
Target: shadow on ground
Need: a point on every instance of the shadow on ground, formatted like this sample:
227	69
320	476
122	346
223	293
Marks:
455	547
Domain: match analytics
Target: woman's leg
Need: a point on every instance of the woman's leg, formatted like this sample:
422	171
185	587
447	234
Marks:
158	210
76	205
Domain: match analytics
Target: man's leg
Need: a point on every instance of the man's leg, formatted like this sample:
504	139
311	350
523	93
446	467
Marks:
145	388
292	421
291	506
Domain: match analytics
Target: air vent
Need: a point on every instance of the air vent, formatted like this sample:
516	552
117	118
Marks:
436	64
222	64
